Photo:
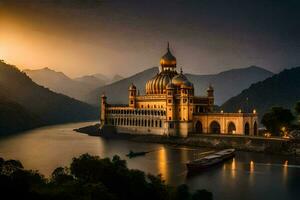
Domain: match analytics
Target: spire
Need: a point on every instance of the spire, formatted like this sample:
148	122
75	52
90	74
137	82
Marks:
181	70
168	47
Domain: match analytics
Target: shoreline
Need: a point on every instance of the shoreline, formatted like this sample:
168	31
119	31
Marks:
249	144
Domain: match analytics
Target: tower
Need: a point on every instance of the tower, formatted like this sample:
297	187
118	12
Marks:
103	120
132	95
210	95
170	105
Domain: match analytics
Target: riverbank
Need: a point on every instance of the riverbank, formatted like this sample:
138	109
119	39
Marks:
243	143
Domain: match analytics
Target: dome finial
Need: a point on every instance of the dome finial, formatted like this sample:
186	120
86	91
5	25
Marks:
181	70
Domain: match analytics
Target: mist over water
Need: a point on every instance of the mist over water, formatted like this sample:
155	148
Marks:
247	176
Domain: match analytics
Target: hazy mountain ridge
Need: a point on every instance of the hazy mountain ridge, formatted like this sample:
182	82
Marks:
282	89
117	92
226	84
49	107
77	88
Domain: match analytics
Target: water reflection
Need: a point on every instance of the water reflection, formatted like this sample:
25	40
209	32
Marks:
162	163
285	172
253	175
233	168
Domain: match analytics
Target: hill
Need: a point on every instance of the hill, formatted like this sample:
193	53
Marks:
117	92
282	89
60	83
226	84
47	106
15	118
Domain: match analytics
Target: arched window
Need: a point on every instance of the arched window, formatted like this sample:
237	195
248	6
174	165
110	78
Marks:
156	124
255	132
231	128
149	123
198	127
247	129
160	124
152	123
214	127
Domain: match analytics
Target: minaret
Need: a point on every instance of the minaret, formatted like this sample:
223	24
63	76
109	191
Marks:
103	110
132	95
210	95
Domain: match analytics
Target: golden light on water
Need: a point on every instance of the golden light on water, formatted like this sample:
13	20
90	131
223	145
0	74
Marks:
285	170
233	168
162	164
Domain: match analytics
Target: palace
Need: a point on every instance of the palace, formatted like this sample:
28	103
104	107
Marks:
170	107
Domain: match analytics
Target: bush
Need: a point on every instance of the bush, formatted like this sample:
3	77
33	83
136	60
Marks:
90	177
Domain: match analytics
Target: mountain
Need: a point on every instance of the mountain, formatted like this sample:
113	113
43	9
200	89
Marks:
59	82
282	89
226	84
117	92
14	118
91	81
39	102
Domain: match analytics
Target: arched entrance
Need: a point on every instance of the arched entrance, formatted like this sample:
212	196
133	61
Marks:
214	127
247	129
255	128
198	127
231	128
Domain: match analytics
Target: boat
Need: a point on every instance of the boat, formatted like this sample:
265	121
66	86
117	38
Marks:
132	154
210	160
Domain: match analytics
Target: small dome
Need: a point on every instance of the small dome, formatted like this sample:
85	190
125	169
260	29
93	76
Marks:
210	87
168	60
132	87
187	84
179	79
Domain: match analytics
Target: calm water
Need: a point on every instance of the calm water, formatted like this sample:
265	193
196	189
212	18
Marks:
247	176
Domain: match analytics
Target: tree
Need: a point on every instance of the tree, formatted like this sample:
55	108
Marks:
277	119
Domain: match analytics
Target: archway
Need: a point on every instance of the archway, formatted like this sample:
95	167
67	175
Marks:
231	128
255	128
247	129
198	127
215	127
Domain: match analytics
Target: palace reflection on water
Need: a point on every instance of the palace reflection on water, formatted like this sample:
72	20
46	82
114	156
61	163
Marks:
247	176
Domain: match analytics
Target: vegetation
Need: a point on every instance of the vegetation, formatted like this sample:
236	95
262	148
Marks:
282	89
90	177
278	119
35	102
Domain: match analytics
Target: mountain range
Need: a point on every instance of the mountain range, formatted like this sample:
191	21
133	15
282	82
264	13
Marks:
281	89
29	105
76	88
226	84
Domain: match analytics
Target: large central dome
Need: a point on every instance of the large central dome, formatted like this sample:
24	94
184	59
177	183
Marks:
158	83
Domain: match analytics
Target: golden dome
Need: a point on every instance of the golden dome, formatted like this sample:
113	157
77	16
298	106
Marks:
158	83
168	60
181	80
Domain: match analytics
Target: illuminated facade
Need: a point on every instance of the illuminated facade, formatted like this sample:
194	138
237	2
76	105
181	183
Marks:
169	107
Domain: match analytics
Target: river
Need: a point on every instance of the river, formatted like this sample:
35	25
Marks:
248	176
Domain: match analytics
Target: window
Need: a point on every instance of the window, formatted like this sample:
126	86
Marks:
169	101
191	100
170	118
184	100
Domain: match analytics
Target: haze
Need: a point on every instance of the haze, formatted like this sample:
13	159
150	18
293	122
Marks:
116	37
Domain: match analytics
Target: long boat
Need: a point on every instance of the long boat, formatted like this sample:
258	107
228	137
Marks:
132	154
210	160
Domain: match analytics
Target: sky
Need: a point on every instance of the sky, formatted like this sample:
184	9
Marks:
80	37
